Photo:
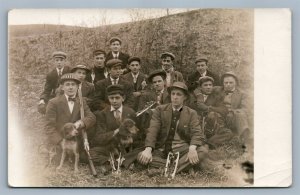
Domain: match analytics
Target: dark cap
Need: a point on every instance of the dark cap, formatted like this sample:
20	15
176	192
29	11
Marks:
115	89
230	74
134	59
205	79
81	66
99	51
59	54
163	55
69	76
178	85
161	73
113	62
201	59
113	39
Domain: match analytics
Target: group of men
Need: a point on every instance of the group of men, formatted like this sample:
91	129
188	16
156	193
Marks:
189	117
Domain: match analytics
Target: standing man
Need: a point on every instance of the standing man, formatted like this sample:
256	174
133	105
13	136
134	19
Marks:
167	61
52	79
174	128
100	100
115	53
237	104
99	70
202	70
66	109
136	78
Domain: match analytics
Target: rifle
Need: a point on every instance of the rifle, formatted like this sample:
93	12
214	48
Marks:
84	135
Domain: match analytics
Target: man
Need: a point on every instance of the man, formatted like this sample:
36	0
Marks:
86	87
99	70
100	100
167	60
115	53
136	78
212	111
108	123
202	70
52	79
66	109
237	104
174	128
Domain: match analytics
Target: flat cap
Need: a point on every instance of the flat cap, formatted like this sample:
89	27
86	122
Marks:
161	73
59	54
99	51
69	76
178	85
205	79
134	59
81	66
113	39
230	74
201	59
115	89
113	62
167	54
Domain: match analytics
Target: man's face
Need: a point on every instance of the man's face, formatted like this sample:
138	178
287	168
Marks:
81	74
115	72
229	83
201	66
167	64
99	60
70	87
115	46
116	100
207	87
59	62
134	66
158	83
177	97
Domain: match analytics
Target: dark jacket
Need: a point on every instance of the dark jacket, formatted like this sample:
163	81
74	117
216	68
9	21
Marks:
52	83
99	75
188	129
192	78
122	56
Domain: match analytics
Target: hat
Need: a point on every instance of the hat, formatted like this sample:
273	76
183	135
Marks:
99	51
80	66
201	59
59	54
69	76
205	79
113	62
178	85
113	89
113	39
134	59
167	54
161	73
232	74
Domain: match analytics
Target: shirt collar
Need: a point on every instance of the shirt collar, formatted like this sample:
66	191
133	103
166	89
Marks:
113	109
115	54
178	109
135	75
117	79
62	69
69	96
204	74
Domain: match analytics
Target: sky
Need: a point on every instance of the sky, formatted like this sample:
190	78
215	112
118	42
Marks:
84	17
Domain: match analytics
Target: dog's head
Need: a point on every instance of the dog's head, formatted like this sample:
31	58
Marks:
69	131
127	131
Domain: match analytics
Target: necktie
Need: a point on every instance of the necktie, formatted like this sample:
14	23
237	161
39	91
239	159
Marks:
114	81
71	99
117	115
134	78
59	72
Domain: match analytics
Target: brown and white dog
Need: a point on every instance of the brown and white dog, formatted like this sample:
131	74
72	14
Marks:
69	145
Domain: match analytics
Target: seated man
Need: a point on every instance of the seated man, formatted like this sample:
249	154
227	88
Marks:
174	128
237	104
100	100
208	102
108	123
66	109
99	70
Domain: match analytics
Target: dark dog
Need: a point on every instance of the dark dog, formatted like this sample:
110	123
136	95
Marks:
69	145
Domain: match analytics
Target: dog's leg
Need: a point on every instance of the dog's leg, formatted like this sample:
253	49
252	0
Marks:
76	162
63	156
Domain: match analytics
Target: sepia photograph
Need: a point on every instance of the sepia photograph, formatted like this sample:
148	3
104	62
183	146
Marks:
131	98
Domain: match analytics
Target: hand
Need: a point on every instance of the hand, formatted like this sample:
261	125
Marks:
144	84
202	106
42	101
136	94
79	124
146	156
192	156
86	145
116	132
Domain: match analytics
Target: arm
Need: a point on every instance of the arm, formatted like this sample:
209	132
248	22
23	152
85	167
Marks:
153	130
197	135
53	134
103	136
47	89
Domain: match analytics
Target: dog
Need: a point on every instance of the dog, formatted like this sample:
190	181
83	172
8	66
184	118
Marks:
69	145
